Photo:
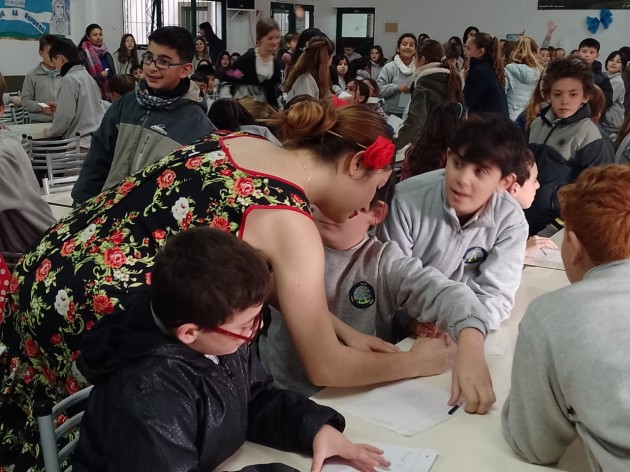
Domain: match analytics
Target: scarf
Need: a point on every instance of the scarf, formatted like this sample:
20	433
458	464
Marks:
404	69
147	98
92	54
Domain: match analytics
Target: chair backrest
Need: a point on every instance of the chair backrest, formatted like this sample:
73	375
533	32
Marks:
62	171
20	116
40	148
27	144
7	116
46	412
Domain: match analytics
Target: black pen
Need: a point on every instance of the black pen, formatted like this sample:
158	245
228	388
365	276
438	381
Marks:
453	410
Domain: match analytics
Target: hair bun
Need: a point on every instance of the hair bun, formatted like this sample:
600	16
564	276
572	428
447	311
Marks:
307	119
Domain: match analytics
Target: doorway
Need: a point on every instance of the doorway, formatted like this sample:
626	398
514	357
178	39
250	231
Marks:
357	25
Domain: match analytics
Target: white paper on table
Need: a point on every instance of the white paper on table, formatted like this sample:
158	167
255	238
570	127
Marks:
403	459
395	122
407	407
497	343
546	258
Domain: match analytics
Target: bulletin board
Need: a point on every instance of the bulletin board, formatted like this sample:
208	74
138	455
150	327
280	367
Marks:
29	19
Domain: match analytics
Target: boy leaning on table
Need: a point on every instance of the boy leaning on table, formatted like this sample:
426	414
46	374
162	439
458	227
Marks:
571	374
178	384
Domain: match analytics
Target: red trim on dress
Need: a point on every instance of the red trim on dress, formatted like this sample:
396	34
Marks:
249	209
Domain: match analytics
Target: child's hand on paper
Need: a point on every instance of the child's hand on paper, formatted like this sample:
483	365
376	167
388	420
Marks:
329	442
536	242
471	377
433	355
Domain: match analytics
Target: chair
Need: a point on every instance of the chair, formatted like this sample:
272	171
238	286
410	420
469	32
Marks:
27	144
40	148
45	411
15	116
62	171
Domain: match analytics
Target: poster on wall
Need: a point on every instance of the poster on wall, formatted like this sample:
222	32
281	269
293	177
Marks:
29	19
583	4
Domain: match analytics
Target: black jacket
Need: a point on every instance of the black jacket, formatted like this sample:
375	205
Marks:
563	148
482	92
159	405
603	82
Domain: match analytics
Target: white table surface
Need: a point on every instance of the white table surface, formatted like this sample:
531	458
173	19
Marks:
35	130
60	203
464	443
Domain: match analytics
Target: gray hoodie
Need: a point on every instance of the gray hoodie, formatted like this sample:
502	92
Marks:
388	81
40	86
486	253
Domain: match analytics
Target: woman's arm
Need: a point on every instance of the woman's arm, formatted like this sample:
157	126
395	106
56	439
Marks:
293	246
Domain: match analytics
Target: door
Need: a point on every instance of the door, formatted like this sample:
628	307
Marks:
292	17
356	24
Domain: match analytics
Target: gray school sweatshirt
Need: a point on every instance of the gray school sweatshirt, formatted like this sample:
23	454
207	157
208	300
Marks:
486	254
40	86
365	286
571	372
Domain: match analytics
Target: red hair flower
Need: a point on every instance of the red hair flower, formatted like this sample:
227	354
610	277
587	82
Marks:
379	154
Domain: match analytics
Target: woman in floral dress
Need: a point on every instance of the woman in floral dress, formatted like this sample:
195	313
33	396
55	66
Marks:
94	260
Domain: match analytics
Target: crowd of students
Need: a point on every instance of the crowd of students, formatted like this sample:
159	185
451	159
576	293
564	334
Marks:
128	294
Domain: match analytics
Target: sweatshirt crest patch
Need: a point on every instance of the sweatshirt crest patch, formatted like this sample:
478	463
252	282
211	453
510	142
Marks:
475	255
362	295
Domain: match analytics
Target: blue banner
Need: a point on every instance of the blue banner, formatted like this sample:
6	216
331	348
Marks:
29	19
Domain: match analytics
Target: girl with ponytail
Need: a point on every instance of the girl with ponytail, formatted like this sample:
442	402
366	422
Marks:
483	92
437	80
310	75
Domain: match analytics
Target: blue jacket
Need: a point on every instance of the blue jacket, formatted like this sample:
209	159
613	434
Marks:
482	92
563	148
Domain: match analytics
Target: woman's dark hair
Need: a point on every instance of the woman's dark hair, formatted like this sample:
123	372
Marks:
227	114
46	40
506	52
622	56
314	61
205	276
373	85
427	152
208	31
433	51
121	84
66	48
490	45
356	65
335	62
363	90
175	37
124	55
303	39
217	64
569	68
264	27
467	31
493	140
422	37
382	59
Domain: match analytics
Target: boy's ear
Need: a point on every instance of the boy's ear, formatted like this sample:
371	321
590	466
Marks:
186	71
187	333
380	210
507	182
577	249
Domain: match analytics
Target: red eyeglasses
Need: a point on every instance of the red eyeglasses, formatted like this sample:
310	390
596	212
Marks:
256	325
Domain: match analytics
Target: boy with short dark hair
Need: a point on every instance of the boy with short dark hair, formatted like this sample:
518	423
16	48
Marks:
570	372
588	51
459	221
141	128
349	52
178	384
563	138
41	85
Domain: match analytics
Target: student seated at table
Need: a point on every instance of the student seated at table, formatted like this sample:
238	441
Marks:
41	85
563	138
461	221
570	373
79	108
24	216
177	382
164	113
367	281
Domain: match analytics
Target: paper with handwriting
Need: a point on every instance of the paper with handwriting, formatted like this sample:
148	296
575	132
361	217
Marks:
402	459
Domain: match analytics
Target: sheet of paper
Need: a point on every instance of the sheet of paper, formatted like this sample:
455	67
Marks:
497	343
406	407
395	122
548	258
402	459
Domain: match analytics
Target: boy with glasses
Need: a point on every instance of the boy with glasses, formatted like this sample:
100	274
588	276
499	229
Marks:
163	113
177	385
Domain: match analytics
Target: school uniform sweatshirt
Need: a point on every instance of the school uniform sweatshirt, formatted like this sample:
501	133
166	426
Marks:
570	372
486	253
40	86
365	285
389	79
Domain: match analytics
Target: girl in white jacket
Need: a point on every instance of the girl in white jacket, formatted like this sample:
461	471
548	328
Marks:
521	76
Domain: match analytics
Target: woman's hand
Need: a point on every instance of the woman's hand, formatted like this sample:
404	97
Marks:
536	242
329	442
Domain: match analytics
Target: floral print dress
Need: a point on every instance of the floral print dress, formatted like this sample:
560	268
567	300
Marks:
94	261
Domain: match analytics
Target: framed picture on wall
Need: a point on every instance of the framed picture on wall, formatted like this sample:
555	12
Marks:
29	19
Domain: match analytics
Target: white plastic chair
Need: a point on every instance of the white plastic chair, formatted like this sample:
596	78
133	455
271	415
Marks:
49	436
41	148
62	171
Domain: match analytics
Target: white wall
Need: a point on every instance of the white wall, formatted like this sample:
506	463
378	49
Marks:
18	57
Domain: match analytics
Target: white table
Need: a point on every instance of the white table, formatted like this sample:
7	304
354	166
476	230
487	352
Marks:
466	442
60	203
35	130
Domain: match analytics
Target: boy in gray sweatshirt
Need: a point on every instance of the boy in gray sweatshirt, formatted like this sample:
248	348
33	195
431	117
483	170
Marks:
41	85
570	375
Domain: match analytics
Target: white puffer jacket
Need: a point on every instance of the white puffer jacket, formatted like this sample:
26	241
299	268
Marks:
520	82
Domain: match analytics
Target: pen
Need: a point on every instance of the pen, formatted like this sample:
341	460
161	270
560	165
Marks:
453	410
543	251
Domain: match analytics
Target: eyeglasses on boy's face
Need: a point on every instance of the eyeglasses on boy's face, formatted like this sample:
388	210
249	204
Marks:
256	325
160	63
